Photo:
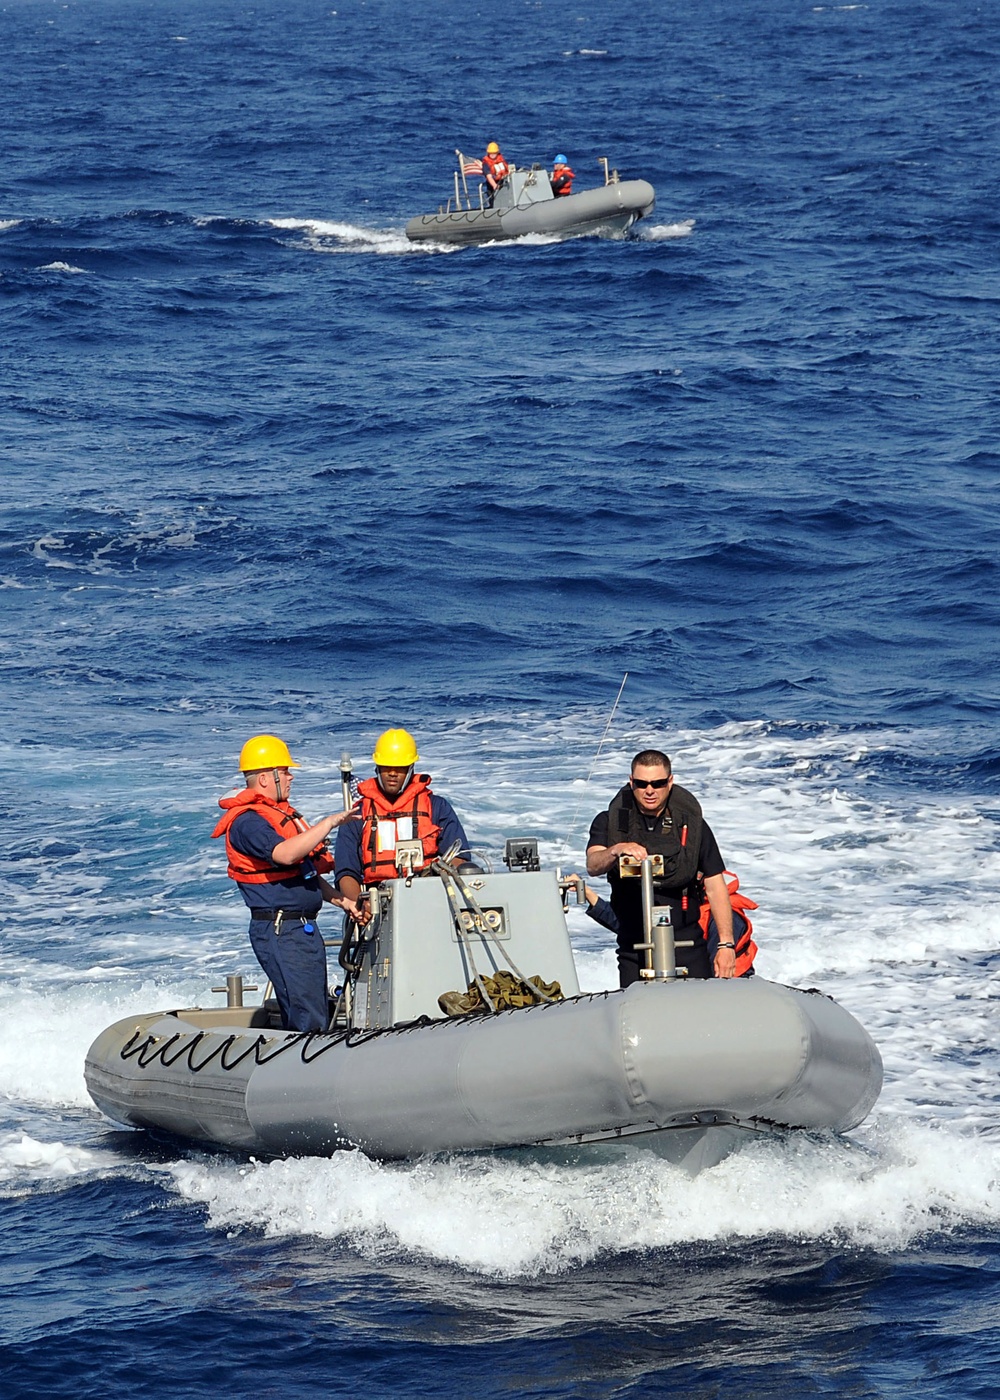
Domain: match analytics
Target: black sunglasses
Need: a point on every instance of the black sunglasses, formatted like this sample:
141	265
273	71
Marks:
639	783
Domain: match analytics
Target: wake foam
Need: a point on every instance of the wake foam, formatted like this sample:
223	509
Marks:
658	233
26	1162
522	1215
322	236
42	1063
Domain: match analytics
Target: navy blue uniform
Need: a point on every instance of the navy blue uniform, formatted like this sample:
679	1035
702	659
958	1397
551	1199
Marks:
291	950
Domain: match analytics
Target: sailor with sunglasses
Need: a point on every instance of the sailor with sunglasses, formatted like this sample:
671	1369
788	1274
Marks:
653	815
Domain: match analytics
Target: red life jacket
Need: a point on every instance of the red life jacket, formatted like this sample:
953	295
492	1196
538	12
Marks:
250	870
413	807
746	948
562	180
497	167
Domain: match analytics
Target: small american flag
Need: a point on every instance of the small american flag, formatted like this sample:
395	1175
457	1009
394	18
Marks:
471	167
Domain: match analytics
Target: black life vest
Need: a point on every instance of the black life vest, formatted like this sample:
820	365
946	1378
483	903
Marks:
677	838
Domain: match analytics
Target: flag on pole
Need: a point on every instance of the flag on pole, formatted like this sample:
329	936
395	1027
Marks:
471	167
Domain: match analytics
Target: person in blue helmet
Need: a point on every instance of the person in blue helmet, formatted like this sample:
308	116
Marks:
562	177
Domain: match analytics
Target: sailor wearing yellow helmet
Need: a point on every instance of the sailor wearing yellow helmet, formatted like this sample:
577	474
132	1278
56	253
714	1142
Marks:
495	169
278	862
396	805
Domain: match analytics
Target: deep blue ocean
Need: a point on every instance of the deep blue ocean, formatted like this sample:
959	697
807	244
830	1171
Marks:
267	466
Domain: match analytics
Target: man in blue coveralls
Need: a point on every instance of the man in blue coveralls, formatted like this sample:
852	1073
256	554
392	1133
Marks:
278	861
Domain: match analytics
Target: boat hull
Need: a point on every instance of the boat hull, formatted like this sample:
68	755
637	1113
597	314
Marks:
654	1058
609	211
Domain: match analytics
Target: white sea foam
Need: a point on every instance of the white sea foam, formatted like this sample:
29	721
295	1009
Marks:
521	1214
323	236
536	240
5	224
108	549
61	267
657	233
26	1163
46	1033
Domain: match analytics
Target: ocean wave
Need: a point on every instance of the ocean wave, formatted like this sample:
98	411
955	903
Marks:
116	546
593	55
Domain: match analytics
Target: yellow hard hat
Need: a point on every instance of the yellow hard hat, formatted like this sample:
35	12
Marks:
395	749
265	751
493	149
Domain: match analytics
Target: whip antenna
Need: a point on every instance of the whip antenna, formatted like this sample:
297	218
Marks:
607	730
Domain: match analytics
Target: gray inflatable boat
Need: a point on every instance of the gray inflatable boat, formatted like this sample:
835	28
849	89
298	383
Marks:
525	204
691	1068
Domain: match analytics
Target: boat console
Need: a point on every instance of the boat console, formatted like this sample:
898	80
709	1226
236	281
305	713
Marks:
432	934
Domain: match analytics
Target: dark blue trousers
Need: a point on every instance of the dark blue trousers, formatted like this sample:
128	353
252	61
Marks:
295	962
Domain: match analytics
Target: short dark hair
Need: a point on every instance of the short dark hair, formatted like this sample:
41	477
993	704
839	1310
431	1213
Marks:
651	758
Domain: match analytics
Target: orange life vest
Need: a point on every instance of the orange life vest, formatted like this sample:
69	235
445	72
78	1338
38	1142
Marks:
562	180
250	870
388	820
497	167
746	948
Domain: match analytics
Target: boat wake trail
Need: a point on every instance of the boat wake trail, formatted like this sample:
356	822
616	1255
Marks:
323	236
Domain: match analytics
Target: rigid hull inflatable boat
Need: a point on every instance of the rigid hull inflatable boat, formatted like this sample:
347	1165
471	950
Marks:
525	204
690	1067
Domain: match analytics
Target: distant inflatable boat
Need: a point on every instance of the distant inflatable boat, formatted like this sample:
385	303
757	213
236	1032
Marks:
691	1068
525	204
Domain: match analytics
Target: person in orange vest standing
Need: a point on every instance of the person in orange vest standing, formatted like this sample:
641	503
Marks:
562	178
495	169
279	863
396	805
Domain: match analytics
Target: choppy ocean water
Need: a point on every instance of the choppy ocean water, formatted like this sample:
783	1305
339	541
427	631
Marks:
267	466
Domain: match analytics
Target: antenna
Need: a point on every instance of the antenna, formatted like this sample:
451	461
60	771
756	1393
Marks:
607	728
